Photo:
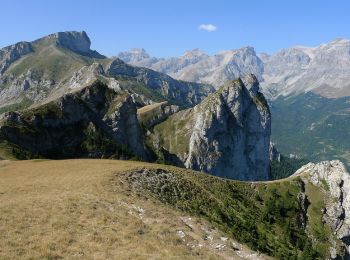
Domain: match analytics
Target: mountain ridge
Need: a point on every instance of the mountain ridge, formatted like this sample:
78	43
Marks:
47	68
290	71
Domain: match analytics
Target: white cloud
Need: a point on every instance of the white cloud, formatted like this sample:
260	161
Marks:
208	27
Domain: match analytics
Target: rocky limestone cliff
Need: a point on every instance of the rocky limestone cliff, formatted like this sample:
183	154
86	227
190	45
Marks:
78	42
227	135
275	155
12	53
93	122
333	183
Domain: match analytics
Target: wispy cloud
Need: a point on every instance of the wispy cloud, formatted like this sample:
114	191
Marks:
208	27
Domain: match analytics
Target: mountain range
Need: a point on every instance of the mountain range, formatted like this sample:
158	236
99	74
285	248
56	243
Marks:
323	69
307	88
62	100
45	69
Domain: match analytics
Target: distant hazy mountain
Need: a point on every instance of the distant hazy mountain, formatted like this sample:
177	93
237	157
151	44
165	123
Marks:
308	89
196	66
324	69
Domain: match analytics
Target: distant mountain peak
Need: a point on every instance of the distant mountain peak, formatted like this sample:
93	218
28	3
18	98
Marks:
75	41
194	53
340	40
134	55
139	51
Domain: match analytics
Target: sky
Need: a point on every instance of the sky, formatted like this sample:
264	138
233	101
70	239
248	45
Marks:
169	28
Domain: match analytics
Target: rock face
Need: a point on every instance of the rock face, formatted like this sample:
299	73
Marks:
334	180
93	122
275	155
78	42
227	135
12	53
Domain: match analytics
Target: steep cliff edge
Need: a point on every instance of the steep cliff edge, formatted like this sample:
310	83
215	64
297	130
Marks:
327	186
227	135
95	122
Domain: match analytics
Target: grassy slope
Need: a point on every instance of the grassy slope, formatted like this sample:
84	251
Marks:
49	61
81	209
91	209
266	216
312	127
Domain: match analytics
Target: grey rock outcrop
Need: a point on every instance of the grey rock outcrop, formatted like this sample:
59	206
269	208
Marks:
275	155
10	54
334	179
78	42
227	135
93	122
124	126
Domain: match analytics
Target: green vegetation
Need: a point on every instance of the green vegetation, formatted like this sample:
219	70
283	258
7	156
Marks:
50	61
316	225
260	99
312	127
148	114
99	145
11	151
285	167
133	85
265	216
174	133
24	103
48	110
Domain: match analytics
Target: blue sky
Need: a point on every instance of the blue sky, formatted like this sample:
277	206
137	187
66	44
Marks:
168	28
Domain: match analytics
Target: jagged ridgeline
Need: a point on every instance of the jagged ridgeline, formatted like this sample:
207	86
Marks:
93	122
227	134
60	99
73	102
45	69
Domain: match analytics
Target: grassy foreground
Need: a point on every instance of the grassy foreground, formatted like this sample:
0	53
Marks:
82	209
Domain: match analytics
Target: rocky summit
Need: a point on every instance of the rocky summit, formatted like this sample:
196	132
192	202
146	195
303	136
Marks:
322	69
333	182
227	135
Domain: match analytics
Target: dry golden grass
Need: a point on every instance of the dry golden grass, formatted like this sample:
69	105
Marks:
149	108
74	209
